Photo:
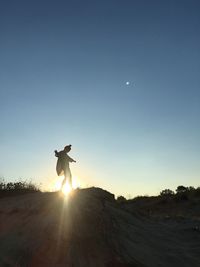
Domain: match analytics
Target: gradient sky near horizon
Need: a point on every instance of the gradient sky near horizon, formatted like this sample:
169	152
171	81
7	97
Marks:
119	80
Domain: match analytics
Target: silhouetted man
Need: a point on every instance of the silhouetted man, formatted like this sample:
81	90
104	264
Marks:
62	166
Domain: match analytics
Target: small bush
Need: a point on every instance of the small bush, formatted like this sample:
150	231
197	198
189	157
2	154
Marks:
121	199
18	187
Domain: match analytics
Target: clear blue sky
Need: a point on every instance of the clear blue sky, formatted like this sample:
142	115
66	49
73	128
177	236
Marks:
63	72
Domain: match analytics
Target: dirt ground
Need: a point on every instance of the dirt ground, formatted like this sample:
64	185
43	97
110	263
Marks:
91	229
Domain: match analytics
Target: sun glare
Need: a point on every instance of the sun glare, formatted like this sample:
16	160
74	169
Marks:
66	188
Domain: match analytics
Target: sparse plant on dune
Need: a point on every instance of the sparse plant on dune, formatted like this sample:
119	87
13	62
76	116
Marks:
121	199
19	187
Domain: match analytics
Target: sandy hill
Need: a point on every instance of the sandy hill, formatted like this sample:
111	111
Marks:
91	229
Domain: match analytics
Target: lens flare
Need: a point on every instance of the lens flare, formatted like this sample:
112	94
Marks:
66	189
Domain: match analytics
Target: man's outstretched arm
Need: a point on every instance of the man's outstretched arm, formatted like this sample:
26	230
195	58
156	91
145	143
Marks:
71	159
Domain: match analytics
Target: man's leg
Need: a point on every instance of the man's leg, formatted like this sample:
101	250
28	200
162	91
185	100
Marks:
63	182
70	178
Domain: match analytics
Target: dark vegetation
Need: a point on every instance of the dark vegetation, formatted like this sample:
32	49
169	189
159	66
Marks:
181	203
15	188
181	193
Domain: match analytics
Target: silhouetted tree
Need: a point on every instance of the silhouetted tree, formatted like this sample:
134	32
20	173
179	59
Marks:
181	189
167	192
191	188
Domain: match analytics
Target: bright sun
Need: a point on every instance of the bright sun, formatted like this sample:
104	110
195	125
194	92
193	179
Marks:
66	188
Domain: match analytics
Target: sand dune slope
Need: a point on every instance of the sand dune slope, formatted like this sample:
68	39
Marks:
90	229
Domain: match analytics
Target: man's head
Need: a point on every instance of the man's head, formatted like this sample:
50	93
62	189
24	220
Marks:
67	148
